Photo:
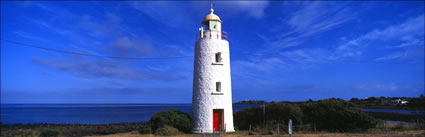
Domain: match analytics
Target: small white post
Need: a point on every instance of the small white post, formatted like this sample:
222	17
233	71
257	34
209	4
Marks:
278	134
213	132
219	130
224	130
290	128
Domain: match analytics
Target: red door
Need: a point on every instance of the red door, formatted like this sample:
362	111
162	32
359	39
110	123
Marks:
217	119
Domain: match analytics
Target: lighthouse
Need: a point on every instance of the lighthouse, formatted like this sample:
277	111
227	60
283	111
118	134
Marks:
212	91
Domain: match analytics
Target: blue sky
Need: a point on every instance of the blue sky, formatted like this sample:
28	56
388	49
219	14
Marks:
280	51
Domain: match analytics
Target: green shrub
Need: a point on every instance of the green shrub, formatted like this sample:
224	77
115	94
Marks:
167	131
337	115
49	133
145	130
267	133
275	113
171	117
35	133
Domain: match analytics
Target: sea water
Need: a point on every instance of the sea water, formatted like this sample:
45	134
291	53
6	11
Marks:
109	113
89	113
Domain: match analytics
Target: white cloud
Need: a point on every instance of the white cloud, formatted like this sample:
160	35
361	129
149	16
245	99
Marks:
252	8
395	55
378	86
311	19
264	66
104	69
318	16
409	33
170	13
123	46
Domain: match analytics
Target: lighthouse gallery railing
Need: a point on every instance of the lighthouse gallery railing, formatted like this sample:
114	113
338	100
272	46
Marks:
212	34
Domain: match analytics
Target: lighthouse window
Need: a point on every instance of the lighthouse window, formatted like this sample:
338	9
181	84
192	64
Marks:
218	86
218	57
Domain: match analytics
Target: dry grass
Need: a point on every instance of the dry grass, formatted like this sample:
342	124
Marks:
413	133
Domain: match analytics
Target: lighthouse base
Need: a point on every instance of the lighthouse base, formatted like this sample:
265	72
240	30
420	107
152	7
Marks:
210	131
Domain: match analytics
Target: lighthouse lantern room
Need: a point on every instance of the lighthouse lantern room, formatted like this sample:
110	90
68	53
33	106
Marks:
212	91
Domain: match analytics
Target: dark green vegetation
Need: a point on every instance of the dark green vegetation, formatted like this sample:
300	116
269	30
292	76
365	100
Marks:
337	115
69	130
171	122
391	102
371	102
167	131
334	115
173	118
250	102
48	133
275	113
163	123
146	129
39	133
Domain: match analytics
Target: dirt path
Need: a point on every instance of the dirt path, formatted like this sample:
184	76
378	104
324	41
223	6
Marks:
416	133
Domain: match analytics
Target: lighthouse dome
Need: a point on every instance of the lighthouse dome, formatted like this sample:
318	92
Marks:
211	16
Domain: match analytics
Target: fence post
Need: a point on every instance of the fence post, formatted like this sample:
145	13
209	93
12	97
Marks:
224	130
278	134
219	130
213	132
290	128
249	131
264	114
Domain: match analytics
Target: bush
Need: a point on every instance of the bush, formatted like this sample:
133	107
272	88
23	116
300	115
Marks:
72	130
173	118
337	115
35	133
49	133
145	130
275	113
167	131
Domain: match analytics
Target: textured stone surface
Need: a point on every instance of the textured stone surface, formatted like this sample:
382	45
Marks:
204	79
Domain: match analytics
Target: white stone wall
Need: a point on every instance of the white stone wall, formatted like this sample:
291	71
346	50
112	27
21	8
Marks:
204	81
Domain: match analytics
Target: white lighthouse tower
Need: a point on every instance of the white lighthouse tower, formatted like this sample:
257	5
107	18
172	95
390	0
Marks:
212	91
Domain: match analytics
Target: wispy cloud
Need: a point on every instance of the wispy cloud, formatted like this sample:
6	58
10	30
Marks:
169	13
27	35
311	19
123	46
97	95
284	54
408	34
255	9
395	55
315	17
104	69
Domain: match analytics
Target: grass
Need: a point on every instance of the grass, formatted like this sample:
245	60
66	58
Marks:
69	130
131	130
416	133
382	130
